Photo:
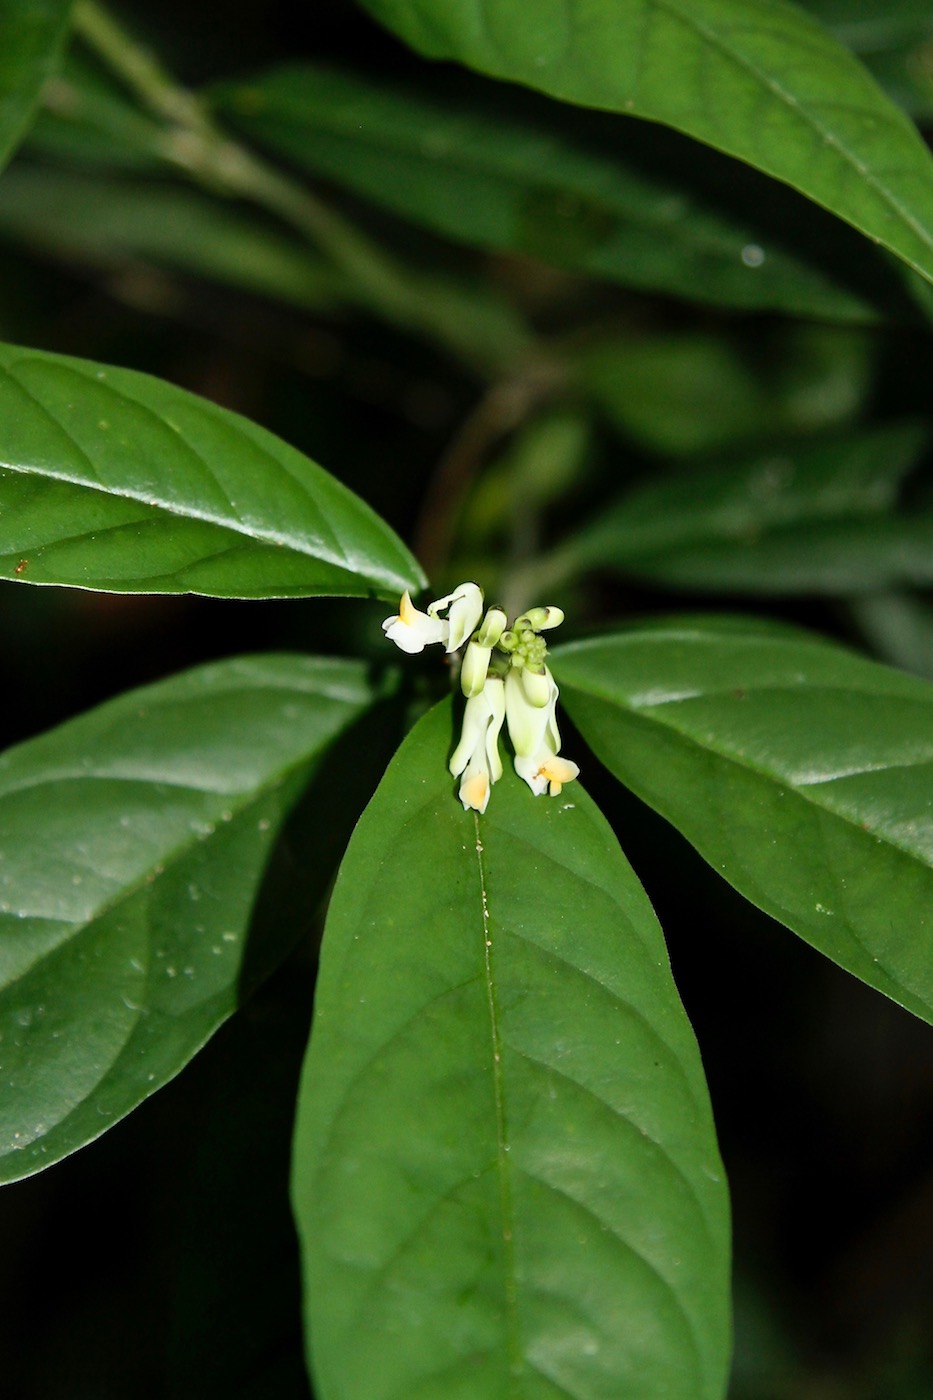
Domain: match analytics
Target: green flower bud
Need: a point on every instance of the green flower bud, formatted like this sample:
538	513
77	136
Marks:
474	669
536	683
540	619
493	626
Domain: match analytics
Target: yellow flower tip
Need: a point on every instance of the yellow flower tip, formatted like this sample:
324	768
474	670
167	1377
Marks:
474	791
406	609
557	771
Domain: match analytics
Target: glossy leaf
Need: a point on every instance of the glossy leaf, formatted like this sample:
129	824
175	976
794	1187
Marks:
32	33
813	518
506	1179
800	771
758	79
113	480
483	164
103	221
133	844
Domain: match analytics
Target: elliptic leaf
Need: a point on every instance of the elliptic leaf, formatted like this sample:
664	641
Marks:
758	79
104	221
113	480
810	518
133	842
801	772
686	393
506	1178
32	33
490	166
833	557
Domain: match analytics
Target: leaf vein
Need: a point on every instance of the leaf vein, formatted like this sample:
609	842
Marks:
606	1227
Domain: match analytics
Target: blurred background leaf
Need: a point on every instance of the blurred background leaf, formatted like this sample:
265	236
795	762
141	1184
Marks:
502	169
761	83
32	34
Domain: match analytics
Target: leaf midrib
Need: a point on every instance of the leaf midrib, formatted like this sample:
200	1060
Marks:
805	112
338	556
516	1352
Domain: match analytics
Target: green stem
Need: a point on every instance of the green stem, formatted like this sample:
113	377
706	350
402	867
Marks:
194	142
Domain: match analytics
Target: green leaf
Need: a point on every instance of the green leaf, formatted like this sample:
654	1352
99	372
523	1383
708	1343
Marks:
873	26
892	37
32	33
837	558
686	392
133	844
810	518
506	1179
486	165
758	79
899	628
800	771
89	119
113	480
101	221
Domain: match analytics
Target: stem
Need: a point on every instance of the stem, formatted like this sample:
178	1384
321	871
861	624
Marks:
194	142
503	408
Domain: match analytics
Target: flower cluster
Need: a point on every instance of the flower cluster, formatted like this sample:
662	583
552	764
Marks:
505	678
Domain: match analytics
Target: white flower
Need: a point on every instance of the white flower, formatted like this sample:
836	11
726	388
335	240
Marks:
465	608
534	733
413	630
476	759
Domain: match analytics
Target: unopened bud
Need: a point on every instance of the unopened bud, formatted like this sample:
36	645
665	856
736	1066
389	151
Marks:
536	683
474	669
540	619
493	626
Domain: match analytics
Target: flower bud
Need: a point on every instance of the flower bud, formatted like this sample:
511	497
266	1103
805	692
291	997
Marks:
540	619
474	669
494	624
537	685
